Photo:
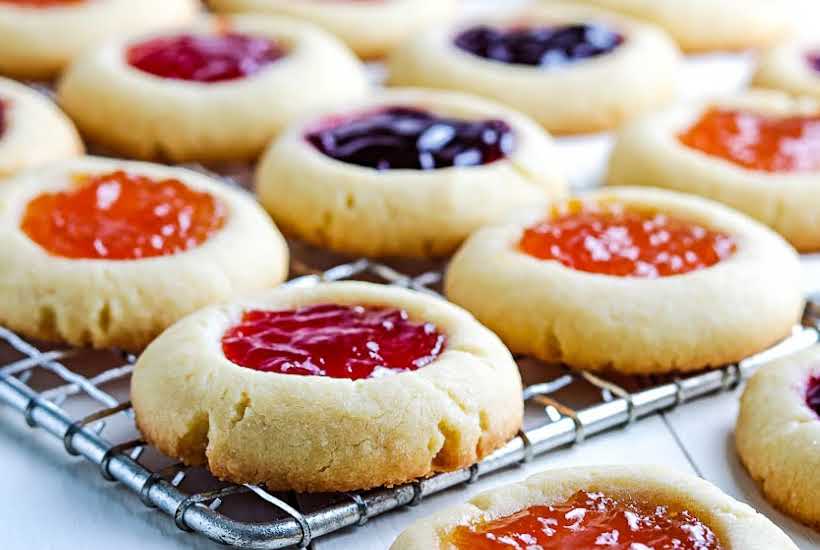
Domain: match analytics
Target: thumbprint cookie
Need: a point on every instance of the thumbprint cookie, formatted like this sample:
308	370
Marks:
38	38
634	280
371	28
778	433
573	69
334	387
759	153
32	130
406	173
618	507
792	67
706	25
217	90
109	253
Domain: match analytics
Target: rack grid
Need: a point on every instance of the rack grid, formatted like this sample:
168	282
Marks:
564	407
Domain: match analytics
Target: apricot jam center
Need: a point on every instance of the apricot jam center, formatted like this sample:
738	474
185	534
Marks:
204	58
590	520
337	341
758	142
42	3
122	216
609	239
813	395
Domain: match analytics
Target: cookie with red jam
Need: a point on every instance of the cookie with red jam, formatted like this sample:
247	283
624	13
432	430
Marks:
406	173
571	68
619	507
632	280
758	152
333	387
216	90
778	434
109	253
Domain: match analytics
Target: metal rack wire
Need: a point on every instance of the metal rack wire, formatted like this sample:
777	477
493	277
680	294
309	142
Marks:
565	407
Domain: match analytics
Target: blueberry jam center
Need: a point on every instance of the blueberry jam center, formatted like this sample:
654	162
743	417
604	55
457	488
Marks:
413	139
813	395
539	46
813	59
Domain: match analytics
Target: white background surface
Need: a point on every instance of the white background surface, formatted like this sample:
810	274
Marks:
52	501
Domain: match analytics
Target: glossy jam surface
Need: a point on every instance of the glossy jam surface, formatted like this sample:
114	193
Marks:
122	216
590	520
539	46
409	138
813	395
204	58
610	239
337	341
42	3
758	142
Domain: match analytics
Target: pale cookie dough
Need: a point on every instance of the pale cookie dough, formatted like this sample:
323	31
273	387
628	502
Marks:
371	29
415	213
649	152
310	433
587	95
125	303
778	435
141	115
786	67
37	43
737	526
706	25
700	319
32	130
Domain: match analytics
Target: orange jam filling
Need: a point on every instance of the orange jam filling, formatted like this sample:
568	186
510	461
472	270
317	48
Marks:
42	3
609	239
590	520
758	142
122	216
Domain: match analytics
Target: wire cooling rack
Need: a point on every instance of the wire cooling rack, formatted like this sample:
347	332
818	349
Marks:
81	398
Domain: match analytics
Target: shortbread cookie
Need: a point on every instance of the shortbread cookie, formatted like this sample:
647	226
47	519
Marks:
778	433
109	253
793	67
634	280
32	130
758	153
333	387
706	25
573	69
406	173
635	507
371	29
217	90
38	39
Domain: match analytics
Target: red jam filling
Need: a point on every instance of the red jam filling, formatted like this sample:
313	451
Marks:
337	341
758	142
590	520
122	216
41	3
204	58
813	395
609	239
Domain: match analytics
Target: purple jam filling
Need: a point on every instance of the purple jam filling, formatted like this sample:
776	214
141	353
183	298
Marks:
813	59
413	139
813	395
539	46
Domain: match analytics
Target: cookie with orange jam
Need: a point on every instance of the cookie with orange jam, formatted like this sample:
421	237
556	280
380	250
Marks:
333	387
38	38
218	89
109	253
759	153
634	280
778	433
617	507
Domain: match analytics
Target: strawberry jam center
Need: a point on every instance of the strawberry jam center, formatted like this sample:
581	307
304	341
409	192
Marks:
204	58
42	3
412	139
758	142
337	341
122	216
590	520
813	395
609	239
539	46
